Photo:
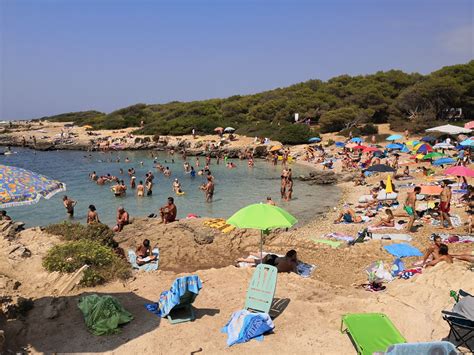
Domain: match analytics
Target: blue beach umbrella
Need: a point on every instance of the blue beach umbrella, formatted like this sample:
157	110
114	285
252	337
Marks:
340	144
444	161
356	140
394	146
428	139
467	143
314	140
394	137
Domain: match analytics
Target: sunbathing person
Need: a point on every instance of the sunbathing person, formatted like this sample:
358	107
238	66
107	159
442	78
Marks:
388	221
145	253
443	255
286	263
433	251
348	215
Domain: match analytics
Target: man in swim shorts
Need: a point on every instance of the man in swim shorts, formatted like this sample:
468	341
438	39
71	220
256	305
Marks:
445	204
169	211
410	206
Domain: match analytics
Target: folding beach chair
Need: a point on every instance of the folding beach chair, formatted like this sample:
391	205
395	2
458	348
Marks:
261	289
371	332
460	325
184	311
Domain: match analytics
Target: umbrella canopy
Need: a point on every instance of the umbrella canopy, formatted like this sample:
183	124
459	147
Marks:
431	190
423	148
444	161
381	168
314	140
449	129
412	143
218	129
263	217
428	139
394	146
394	137
433	155
276	148
229	129
443	145
359	147
351	145
459	171
469	125
370	149
356	140
340	144
467	143
23	187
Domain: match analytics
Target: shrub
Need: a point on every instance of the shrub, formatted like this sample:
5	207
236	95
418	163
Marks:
104	264
293	134
75	231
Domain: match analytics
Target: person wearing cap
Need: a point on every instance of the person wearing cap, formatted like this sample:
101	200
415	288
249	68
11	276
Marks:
123	219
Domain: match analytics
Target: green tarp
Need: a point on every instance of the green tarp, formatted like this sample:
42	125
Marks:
103	314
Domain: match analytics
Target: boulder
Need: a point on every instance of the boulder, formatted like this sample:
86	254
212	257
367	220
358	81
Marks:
320	177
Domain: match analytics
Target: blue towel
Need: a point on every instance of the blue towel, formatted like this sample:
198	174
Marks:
132	259
402	250
435	347
169	299
244	326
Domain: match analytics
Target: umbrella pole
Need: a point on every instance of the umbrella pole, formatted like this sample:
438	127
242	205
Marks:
261	244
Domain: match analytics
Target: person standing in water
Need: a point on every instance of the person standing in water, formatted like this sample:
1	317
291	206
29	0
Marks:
92	215
69	205
209	188
140	189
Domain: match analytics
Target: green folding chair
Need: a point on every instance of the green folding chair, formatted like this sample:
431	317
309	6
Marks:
184	311
261	289
371	332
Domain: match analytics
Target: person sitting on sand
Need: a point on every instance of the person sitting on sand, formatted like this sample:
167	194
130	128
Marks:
443	255
348	215
4	216
145	253
122	219
118	250
432	252
388	221
169	211
92	215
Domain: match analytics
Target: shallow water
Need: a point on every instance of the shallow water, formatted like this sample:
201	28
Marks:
235	188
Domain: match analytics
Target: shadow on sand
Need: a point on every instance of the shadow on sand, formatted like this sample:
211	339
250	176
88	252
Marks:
67	333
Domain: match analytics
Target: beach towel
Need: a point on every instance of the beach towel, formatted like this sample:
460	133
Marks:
331	243
397	226
244	326
454	238
103	314
389	236
151	266
402	250
435	347
408	274
169	299
304	269
455	220
397	267
339	236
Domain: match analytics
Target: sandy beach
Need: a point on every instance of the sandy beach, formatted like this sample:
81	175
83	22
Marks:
308	321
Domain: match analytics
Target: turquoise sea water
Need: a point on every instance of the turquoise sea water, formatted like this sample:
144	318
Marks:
235	188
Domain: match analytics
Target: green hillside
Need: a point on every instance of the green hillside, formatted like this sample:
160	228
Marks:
412	101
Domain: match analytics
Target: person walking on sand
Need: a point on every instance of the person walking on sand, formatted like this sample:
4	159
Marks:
410	207
69	205
445	205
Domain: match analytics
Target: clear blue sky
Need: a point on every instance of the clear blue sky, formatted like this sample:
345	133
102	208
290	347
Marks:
70	55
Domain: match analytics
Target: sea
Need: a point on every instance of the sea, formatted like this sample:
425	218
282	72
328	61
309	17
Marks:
234	188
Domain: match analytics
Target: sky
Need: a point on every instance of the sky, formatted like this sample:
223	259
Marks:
72	55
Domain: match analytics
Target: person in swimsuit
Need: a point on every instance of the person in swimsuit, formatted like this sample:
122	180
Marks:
433	250
145	253
69	205
443	255
4	216
388	221
169	211
270	201
289	188
209	189
92	215
122	219
410	206
348	215
445	205
140	189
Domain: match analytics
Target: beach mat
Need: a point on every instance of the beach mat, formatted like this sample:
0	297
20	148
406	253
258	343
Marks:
402	250
390	236
331	243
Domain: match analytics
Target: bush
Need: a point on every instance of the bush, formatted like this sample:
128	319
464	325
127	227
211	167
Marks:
75	231
293	134
104	264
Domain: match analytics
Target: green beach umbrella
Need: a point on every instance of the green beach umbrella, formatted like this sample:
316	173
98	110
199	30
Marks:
263	217
432	155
